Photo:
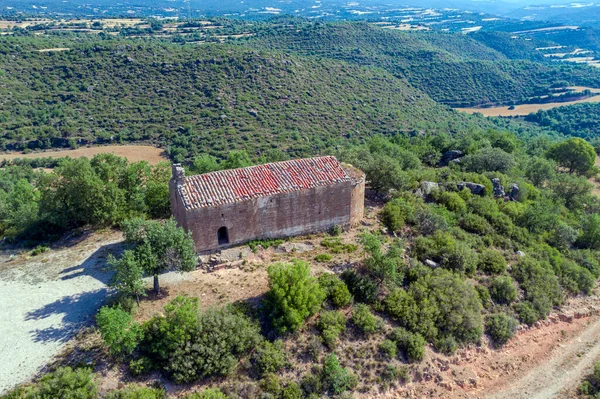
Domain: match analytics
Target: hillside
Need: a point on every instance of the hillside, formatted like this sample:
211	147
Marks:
453	69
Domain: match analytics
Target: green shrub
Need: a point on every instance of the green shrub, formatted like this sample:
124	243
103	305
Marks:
335	230
428	222
500	328
527	312
269	357
591	385
484	295
137	392
311	385
452	201
576	279
293	295
540	284
331	324
475	224
446	345
208	393
503	290
141	366
65	383
292	391
362	318
323	257
392	216
40	249
402	307
189	345
460	258
411	344
335	289
336	246
362	288
446	304
388	349
271	384
491	262
335	378
119	331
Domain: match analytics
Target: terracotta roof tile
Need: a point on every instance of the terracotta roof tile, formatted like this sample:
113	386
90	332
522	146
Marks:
234	185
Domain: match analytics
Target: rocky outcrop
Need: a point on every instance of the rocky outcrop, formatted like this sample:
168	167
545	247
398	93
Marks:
476	189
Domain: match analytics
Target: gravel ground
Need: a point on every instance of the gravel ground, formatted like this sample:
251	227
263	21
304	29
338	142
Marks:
45	299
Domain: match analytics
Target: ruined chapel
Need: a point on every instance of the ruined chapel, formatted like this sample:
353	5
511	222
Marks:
275	200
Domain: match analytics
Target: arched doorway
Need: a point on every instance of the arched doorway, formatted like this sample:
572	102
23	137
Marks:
223	236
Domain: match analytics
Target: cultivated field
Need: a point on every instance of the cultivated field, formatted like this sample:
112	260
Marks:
134	153
525	109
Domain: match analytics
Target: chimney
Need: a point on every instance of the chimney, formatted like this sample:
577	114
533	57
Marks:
178	172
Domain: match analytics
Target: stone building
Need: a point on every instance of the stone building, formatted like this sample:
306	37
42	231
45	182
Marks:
275	200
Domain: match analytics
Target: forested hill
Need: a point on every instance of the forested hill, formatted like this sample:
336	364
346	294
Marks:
211	98
453	69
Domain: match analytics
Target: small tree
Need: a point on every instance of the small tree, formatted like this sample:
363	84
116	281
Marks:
119	331
293	296
128	275
159	247
500	328
575	154
382	266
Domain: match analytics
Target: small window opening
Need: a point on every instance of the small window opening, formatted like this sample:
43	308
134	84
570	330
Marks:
223	236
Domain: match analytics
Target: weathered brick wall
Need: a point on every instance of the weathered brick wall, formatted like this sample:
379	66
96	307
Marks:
276	216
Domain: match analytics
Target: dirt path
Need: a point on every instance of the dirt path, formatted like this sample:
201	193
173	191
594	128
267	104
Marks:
44	300
558	376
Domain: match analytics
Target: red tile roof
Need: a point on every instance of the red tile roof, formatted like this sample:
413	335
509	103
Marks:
235	185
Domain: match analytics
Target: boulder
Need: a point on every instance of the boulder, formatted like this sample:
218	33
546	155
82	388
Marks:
450	156
430	263
428	186
514	192
498	188
476	189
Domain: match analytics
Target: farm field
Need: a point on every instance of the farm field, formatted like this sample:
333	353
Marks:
525	109
134	153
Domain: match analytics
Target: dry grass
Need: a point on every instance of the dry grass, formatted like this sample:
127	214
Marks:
133	153
525	109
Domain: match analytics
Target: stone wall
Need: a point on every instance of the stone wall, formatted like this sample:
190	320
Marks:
281	215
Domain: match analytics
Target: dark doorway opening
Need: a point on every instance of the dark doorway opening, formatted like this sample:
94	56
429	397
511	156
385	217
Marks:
223	236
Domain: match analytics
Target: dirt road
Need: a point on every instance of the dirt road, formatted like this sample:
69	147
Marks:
44	300
559	376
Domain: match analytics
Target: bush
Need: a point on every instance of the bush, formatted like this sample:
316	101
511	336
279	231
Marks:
388	349
488	160
484	295
402	307
271	384
527	312
428	222
453	202
335	378
311	385
591	385
411	344
119	331
65	383
446	345
141	366
362	288
540	284
137	392
209	393
323	257
503	290
331	324
491	262
475	224
500	328
335	289
392	216
269	357
189	345
292	391
362	318
447	304
293	295
576	279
